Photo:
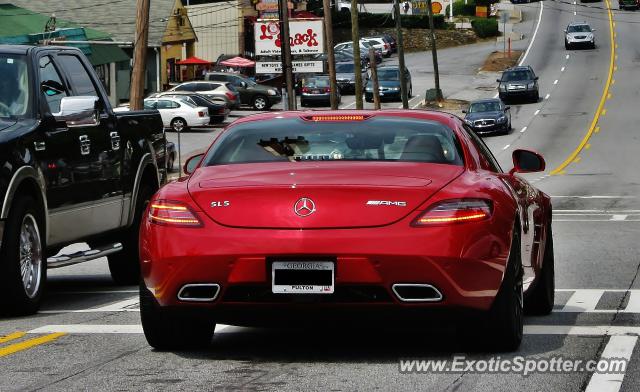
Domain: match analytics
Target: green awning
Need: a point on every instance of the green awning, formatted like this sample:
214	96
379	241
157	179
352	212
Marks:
106	54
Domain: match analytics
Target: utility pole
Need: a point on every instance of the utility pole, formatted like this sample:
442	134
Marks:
331	61
285	53
136	99
434	53
374	77
403	76
357	63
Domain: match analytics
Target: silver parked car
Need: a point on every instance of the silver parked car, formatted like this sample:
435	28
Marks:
579	34
216	92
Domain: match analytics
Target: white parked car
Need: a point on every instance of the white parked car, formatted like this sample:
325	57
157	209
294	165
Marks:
379	44
178	114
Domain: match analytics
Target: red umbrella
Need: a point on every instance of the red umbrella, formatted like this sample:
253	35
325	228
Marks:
238	62
193	61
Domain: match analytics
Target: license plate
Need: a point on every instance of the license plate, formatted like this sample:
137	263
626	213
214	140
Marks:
315	92
302	277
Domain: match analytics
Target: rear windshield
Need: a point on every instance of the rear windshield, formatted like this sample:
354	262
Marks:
509	76
317	82
376	139
344	68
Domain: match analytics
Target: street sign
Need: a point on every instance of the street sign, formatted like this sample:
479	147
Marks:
306	37
270	67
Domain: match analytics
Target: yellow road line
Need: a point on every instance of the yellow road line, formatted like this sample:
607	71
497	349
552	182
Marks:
12	336
605	93
27	344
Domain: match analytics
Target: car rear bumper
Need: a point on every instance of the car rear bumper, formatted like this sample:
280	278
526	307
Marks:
464	263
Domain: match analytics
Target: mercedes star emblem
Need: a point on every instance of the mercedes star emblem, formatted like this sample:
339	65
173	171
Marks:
304	207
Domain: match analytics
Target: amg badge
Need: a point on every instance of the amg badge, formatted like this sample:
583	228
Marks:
387	203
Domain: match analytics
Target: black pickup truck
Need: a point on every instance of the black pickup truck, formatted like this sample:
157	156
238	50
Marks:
71	170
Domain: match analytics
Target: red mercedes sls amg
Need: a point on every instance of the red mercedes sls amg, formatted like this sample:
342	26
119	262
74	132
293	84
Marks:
317	217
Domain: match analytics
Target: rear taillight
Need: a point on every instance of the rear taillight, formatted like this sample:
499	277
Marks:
455	211
327	89
221	111
305	89
173	213
230	95
201	114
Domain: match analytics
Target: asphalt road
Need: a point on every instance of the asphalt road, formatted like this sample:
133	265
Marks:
585	126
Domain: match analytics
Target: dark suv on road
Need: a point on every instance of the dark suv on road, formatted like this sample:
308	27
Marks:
518	82
259	96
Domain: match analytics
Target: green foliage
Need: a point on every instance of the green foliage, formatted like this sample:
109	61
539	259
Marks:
485	27
460	8
367	20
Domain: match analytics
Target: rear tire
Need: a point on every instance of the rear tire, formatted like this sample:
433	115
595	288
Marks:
506	323
125	265
179	124
23	261
260	102
173	330
540	301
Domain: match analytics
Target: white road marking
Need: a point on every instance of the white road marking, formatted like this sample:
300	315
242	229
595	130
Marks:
414	97
567	57
127	305
537	112
533	37
93	292
349	105
618	347
547	96
416	105
555	81
633	306
507	146
562	69
618	217
523	129
583	301
573	330
605	212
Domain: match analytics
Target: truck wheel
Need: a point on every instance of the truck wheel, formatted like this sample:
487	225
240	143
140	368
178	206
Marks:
23	269
173	330
541	299
260	102
178	124
125	265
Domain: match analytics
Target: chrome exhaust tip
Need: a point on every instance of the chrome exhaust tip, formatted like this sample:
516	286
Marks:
199	292
416	292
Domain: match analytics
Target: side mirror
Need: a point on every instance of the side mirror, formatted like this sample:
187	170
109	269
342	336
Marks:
192	163
536	78
464	110
526	161
507	108
79	111
243	84
498	80
592	30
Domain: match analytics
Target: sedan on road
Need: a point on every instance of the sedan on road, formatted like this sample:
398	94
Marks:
389	84
318	218
346	77
218	111
316	90
488	116
579	34
178	114
518	82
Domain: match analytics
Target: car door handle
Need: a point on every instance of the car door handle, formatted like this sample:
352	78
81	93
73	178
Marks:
85	145
115	141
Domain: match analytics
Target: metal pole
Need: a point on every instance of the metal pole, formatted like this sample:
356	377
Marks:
403	76
357	64
179	155
374	77
434	53
331	61
136	99
286	54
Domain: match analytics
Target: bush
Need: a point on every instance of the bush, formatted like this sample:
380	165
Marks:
367	20
460	8
485	27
